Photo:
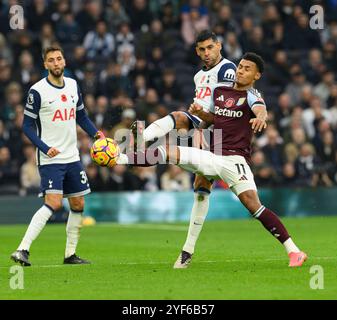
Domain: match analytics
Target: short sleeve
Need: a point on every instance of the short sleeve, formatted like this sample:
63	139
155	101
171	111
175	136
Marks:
226	73
33	104
254	99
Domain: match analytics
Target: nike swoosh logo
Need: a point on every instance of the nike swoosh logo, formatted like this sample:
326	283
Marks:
51	101
197	224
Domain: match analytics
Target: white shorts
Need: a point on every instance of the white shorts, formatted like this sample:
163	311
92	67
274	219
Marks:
234	170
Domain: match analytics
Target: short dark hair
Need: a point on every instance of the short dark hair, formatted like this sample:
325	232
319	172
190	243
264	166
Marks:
51	49
251	56
205	35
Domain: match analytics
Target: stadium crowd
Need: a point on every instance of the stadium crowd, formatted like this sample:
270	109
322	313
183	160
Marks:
135	59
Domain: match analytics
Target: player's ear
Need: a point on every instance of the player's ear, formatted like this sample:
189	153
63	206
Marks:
257	76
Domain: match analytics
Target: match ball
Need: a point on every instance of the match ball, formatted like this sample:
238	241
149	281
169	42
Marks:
105	152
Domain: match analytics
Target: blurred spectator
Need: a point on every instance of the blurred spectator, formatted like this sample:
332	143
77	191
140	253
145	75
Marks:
122	130
29	173
9	173
194	18
27	74
112	80
5	50
305	166
168	89
264	174
90	14
273	150
232	47
100	44
289	175
148	105
322	89
140	15
68	31
298	80
125	37
47	36
175	179
115	15
37	14
97	184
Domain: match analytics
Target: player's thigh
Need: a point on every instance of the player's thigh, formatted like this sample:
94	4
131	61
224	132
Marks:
76	182
181	120
76	203
235	171
52	177
198	161
202	182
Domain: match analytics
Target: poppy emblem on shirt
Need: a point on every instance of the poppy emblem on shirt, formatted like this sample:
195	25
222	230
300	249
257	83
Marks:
229	103
63	97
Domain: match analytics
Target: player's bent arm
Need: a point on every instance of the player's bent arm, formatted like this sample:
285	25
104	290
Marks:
260	122
29	129
197	110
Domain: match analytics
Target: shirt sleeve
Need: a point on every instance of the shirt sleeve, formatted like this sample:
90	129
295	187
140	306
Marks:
254	99
33	104
226	74
31	115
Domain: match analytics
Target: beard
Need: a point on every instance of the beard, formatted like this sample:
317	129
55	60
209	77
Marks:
58	73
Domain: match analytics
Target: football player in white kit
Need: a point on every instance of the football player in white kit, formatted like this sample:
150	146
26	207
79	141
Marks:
216	70
54	107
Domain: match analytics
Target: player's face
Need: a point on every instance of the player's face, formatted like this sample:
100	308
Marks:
55	63
209	52
247	73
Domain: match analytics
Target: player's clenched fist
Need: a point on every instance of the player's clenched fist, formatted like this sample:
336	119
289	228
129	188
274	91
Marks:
195	109
52	152
258	124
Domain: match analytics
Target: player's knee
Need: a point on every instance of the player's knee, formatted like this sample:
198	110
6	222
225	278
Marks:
54	203
181	120
202	183
77	204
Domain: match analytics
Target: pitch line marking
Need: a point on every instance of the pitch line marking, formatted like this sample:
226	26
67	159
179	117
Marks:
147	227
170	262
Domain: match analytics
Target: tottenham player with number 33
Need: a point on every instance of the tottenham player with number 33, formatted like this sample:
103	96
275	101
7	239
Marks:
54	107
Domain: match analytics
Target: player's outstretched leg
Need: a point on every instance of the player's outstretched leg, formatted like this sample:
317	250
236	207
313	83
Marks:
38	222
273	224
159	128
199	211
73	231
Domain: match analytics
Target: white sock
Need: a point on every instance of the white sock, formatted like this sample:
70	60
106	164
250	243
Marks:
290	246
198	215
123	159
36	225
159	128
73	232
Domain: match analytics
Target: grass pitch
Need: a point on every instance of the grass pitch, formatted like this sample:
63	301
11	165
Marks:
234	259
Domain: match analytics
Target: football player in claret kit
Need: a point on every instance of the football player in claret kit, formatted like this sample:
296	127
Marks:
54	107
216	70
235	113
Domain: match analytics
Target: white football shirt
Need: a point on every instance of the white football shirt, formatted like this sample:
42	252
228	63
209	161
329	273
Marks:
54	109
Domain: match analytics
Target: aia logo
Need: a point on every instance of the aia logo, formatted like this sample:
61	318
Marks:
229	103
64	98
64	114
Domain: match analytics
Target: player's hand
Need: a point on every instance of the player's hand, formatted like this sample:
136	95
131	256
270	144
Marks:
195	109
52	152
99	135
258	124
